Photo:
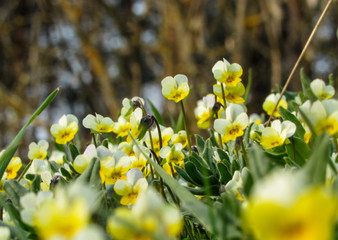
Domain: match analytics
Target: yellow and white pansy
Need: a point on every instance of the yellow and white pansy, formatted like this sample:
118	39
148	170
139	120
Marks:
232	94
139	160
131	188
13	167
323	115
135	120
321	90
236	185
180	137
229	74
114	167
204	111
149	218
98	123
173	154
282	207
66	215
65	130
175	88
81	161
38	150
121	127
277	133
57	156
235	123
270	103
129	106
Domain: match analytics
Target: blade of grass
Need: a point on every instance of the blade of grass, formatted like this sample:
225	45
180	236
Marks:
12	147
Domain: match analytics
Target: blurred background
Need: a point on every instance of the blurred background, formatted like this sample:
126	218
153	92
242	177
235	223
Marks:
101	51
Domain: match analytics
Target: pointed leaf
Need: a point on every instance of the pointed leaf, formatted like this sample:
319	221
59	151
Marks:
11	149
92	174
14	191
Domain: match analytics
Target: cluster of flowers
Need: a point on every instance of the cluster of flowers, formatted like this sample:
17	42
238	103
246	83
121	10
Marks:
280	206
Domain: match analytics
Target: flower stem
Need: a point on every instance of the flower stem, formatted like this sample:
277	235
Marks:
186	127
244	152
25	170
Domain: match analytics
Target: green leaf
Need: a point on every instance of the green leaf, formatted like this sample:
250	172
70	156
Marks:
200	143
15	217
199	162
36	183
225	175
194	173
184	175
259	164
208	155
298	150
305	81
54	166
248	86
12	147
287	115
65	173
74	152
315	168
156	113
234	166
14	191
189	202
92	174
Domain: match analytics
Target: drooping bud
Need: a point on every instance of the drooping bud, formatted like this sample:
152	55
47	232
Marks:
145	123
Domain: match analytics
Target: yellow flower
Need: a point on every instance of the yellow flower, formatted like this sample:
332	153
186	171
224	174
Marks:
57	156
234	125
227	73
236	185
129	105
13	167
173	154
132	187
180	137
175	88
323	115
38	151
65	130
81	161
276	135
320	90
114	167
149	218
282	208
98	123
139	160
61	218
122	127
232	94
204	111
270	103
135	119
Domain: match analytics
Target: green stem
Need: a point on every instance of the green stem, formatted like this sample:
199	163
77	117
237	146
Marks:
244	152
94	140
25	170
159	131
224	100
186	126
105	194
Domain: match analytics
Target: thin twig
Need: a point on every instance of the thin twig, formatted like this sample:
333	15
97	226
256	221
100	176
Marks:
299	59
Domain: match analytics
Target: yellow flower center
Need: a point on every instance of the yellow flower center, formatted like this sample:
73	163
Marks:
329	125
271	142
232	132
